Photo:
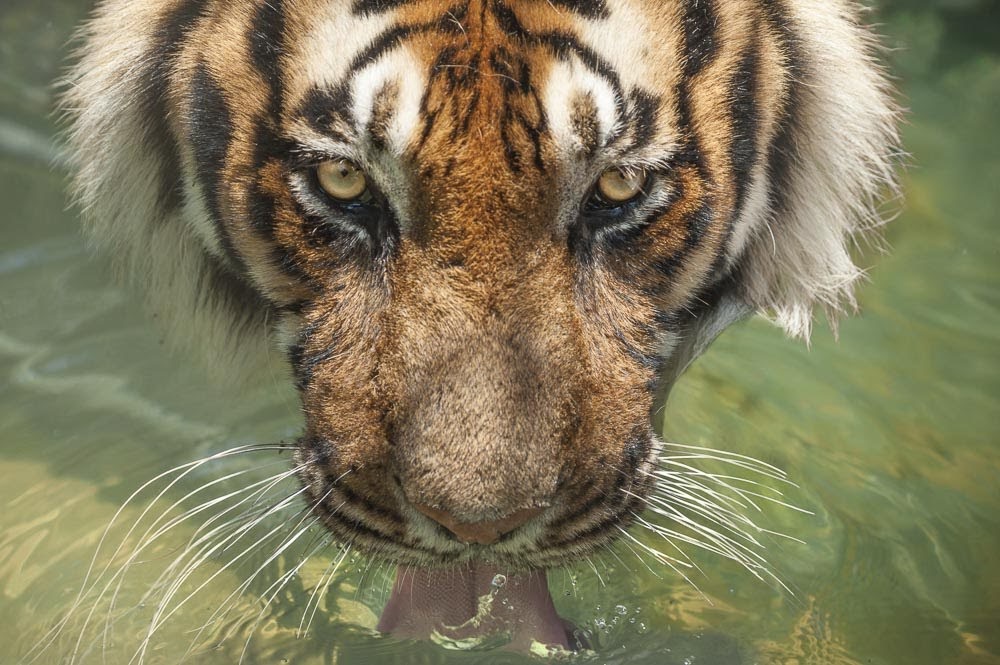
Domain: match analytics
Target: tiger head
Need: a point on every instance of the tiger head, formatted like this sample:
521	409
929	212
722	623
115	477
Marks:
488	233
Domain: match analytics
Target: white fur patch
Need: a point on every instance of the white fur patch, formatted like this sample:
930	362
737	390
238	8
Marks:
569	81
847	145
400	68
326	53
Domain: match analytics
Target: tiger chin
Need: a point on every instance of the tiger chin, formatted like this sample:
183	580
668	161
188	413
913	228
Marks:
487	234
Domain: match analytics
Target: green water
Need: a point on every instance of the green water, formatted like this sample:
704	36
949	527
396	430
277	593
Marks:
891	432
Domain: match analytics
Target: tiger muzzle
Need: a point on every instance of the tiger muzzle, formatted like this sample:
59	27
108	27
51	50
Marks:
477	434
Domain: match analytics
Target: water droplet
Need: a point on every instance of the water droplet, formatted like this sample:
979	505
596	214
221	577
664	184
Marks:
621	610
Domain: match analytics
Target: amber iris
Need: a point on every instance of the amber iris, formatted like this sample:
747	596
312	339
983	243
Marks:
342	179
620	186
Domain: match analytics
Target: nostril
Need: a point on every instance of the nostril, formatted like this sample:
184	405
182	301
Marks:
482	533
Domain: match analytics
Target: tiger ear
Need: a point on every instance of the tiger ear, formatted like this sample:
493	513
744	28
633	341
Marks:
832	163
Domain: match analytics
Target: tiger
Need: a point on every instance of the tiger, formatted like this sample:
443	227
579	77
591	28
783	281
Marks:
488	236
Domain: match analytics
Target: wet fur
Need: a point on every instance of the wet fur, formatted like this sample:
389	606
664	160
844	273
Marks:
482	347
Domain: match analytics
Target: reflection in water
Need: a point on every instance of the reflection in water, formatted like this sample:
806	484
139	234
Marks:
890	433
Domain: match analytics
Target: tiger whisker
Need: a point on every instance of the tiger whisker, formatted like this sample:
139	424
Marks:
666	560
716	543
589	559
172	582
282	581
227	602
710	507
91	581
745	494
724	517
162	614
147	539
321	586
611	550
145	542
629	546
698	452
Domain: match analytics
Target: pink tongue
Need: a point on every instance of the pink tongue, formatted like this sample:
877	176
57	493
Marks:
476	602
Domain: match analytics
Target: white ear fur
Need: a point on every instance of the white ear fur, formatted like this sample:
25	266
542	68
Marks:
841	160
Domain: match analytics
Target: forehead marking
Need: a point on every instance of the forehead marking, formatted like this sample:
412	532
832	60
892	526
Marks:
402	71
328	51
568	84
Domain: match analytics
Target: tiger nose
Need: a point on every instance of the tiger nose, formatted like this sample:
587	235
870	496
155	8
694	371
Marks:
481	533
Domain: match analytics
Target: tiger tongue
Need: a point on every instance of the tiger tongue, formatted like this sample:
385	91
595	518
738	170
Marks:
474	604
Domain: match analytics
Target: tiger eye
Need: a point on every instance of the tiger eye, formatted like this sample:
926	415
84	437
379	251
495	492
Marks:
621	186
342	179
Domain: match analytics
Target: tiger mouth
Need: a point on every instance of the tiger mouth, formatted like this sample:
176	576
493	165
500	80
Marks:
404	535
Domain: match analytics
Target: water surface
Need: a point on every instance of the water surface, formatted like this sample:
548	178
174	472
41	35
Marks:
890	432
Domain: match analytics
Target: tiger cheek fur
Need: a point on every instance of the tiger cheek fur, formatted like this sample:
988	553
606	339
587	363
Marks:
482	335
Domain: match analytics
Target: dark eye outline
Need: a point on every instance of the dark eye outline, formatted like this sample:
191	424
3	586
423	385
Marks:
370	197
603	211
371	213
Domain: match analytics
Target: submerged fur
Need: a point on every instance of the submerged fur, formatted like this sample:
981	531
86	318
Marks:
484	344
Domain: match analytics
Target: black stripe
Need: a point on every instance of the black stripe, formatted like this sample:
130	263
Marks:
649	361
564	44
593	503
376	6
320	106
782	154
218	287
602	530
690	150
347	526
643	115
637	450
695	226
365	505
587	8
385	42
508	21
745	125
323	451
152	99
210	133
267	39
700	35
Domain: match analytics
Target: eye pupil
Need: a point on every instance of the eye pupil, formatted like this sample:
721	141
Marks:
342	179
620	186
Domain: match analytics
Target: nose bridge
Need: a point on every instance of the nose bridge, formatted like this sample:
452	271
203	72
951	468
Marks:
482	219
483	381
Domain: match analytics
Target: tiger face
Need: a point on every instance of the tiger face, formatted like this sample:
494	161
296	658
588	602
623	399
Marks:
487	233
